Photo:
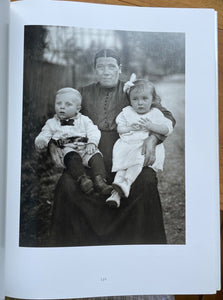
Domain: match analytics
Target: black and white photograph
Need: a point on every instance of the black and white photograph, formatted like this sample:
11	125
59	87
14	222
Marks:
103	137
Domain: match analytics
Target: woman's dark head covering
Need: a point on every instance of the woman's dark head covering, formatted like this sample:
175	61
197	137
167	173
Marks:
107	53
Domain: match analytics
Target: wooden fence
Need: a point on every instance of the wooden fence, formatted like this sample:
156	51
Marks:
41	81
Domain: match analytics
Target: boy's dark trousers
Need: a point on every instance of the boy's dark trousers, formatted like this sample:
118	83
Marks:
74	165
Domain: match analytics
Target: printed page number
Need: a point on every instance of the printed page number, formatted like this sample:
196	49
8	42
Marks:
103	278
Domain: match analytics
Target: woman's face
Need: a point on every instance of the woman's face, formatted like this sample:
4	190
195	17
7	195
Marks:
107	71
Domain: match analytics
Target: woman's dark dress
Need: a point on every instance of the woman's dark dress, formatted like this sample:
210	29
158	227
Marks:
80	220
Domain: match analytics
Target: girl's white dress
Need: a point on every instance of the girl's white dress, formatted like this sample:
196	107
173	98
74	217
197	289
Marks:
128	148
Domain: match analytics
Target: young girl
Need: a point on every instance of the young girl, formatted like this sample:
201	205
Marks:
134	124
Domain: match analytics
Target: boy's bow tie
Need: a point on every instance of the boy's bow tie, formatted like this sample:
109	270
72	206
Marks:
69	122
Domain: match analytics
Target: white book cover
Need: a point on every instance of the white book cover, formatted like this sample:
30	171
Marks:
156	241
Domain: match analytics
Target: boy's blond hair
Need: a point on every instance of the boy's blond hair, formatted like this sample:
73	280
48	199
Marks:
67	90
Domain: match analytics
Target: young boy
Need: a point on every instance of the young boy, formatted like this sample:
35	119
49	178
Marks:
76	139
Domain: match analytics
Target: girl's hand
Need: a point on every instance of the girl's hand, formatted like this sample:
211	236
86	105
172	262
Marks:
91	148
136	127
145	123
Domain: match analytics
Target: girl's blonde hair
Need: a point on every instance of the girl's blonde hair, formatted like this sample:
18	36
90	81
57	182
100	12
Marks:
146	83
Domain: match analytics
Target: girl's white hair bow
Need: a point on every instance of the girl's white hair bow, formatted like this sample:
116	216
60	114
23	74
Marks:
129	83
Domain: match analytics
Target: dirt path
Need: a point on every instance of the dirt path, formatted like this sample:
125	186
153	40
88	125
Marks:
171	180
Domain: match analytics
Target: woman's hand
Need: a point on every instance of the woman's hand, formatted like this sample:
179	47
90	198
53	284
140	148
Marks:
149	150
91	148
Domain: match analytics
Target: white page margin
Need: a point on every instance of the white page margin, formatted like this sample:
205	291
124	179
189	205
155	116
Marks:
4	24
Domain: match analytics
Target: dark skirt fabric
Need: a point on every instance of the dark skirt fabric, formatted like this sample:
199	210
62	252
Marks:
81	220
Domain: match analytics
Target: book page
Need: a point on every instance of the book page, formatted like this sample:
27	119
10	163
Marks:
137	248
4	24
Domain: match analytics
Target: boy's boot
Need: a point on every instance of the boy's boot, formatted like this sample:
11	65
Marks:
73	163
101	185
97	165
86	184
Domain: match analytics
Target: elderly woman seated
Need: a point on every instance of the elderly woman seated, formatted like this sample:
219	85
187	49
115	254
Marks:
79	219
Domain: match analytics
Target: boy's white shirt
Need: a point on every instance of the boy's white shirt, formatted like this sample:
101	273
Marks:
83	126
86	271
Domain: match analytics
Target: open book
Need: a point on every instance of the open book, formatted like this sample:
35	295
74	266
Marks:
61	241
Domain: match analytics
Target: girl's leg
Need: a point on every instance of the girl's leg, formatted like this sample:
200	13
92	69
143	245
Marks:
133	172
125	179
117	183
114	200
119	176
